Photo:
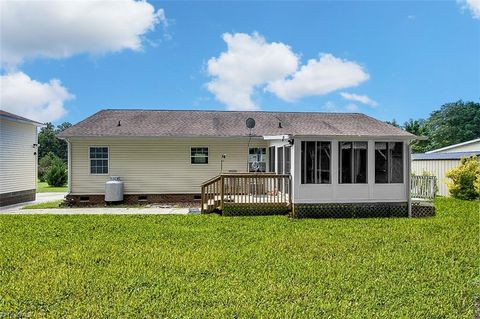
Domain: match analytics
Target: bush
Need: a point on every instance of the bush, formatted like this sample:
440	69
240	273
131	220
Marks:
464	179
44	164
477	185
57	175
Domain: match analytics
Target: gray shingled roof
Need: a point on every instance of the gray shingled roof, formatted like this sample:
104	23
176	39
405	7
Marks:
443	156
16	117
228	124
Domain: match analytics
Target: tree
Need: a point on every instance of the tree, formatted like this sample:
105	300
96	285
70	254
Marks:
57	175
393	122
454	123
418	128
44	164
49	142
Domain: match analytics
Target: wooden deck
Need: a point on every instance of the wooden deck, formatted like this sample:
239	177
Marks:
245	189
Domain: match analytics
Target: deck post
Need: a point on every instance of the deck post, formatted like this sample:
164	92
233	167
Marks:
222	191
203	200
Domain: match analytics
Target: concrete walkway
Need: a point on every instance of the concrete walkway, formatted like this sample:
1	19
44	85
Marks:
40	198
49	197
103	211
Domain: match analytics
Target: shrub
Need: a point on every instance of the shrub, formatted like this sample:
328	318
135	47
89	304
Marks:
477	185
57	175
464	179
44	164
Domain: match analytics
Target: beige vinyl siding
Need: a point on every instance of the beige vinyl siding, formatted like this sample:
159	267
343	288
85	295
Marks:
156	165
438	168
464	148
17	156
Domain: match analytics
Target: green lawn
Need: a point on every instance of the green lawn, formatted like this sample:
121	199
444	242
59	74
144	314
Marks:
227	267
43	187
52	204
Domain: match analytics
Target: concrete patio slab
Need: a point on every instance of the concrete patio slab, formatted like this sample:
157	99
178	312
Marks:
101	211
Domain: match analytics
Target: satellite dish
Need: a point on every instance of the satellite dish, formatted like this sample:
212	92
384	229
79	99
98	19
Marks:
250	123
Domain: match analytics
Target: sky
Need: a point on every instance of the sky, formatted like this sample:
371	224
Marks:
64	61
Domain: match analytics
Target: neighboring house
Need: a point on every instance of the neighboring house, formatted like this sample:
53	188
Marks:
438	162
165	156
18	158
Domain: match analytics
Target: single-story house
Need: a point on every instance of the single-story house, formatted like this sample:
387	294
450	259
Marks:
331	160
438	162
18	158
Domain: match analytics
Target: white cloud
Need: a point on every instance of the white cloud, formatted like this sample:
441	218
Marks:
359	98
38	101
60	29
248	62
319	77
473	6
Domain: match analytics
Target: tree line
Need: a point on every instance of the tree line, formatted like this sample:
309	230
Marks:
453	123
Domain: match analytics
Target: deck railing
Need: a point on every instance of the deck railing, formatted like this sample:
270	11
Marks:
245	189
423	187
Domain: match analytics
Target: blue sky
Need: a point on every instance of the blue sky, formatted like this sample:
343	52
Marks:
416	56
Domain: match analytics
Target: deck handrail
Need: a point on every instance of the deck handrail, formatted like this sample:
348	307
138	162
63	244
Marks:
423	187
245	188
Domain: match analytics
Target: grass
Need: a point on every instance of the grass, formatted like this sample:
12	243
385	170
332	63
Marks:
43	187
245	267
52	204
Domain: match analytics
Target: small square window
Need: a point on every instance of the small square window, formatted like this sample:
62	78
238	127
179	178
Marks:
199	155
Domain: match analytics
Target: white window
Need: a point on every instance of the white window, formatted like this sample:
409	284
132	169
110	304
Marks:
257	159
199	155
98	160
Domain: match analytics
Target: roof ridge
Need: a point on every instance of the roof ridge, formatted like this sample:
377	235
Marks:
235	111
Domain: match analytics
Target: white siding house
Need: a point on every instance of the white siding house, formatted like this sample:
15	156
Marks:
18	158
165	156
438	162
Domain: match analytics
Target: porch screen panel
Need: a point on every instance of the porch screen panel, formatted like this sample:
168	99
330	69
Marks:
360	162
288	155
396	149
324	162
315	162
280	160
271	159
388	162
353	162
346	161
381	162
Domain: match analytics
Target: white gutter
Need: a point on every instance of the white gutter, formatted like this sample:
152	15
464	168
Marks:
69	165
409	173
276	137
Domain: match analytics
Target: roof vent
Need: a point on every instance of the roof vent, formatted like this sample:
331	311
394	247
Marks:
280	125
119	124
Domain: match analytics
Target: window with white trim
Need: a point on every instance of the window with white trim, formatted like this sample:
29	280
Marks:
98	160
257	159
388	162
199	155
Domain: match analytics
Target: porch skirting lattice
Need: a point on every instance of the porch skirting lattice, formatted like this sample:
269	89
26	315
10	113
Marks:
349	210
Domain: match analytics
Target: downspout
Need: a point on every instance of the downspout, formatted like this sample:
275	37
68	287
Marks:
69	164
409	176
